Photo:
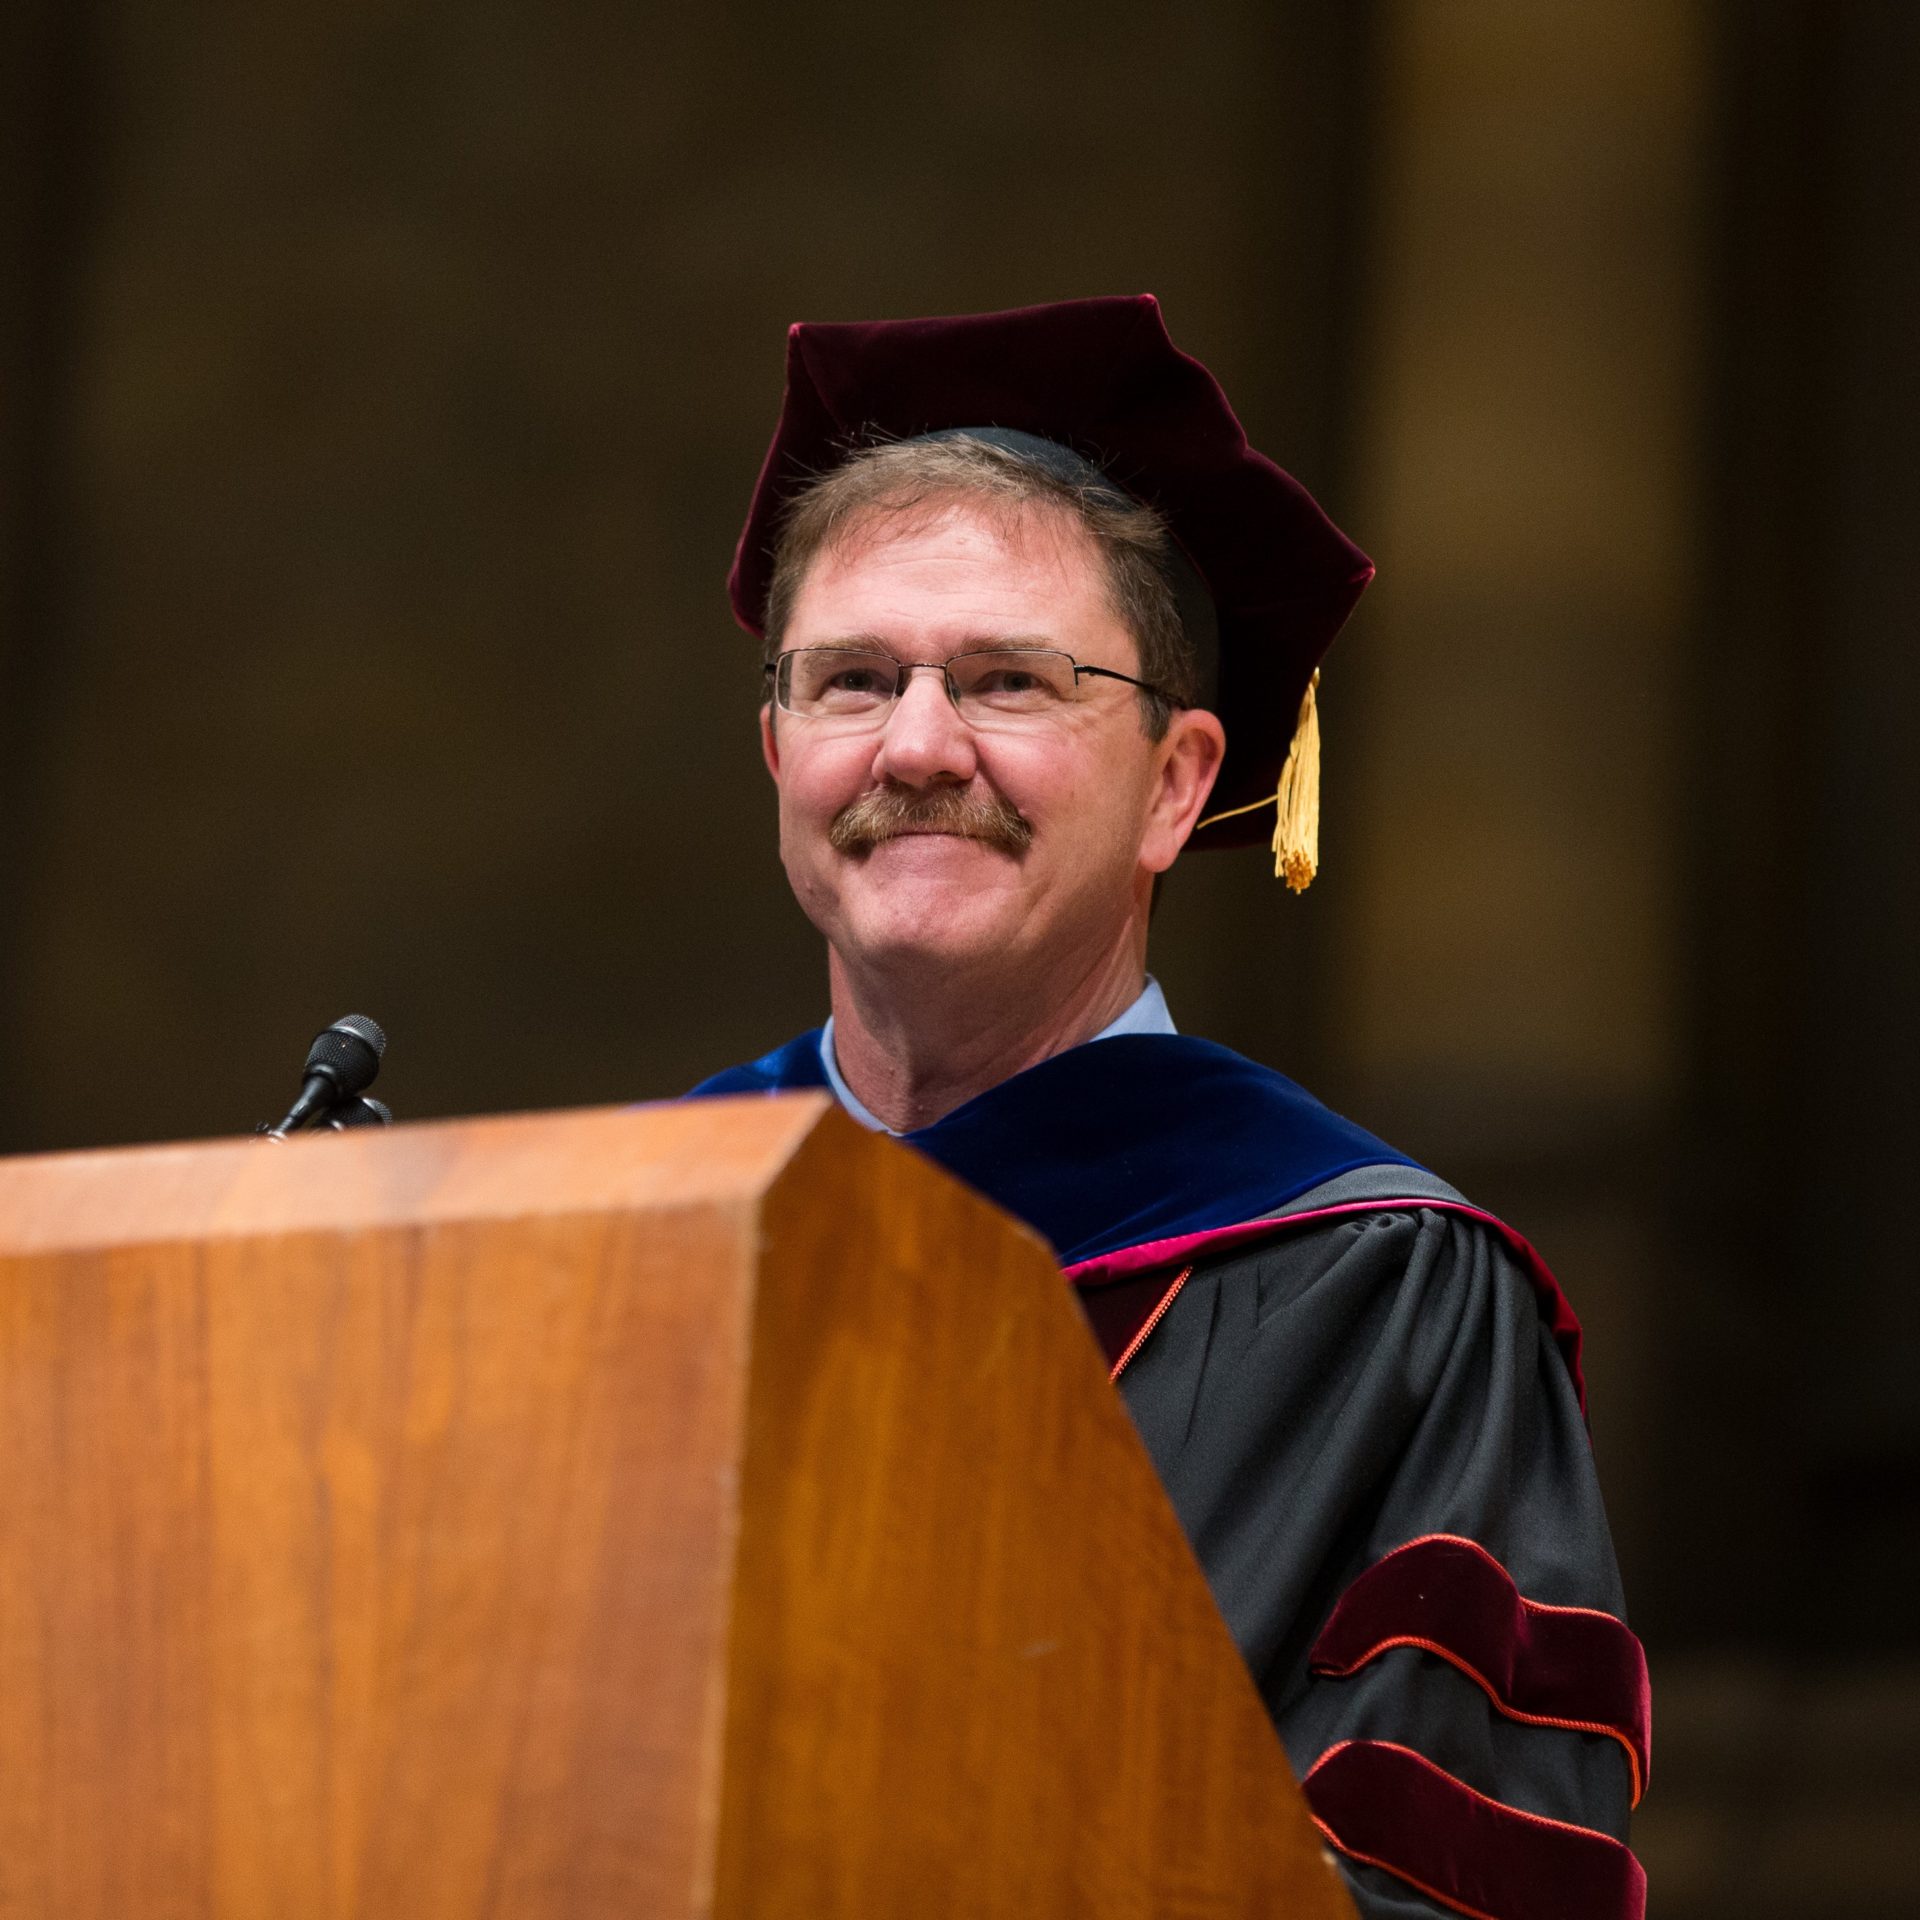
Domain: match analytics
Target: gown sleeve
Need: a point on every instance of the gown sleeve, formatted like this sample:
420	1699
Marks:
1376	1450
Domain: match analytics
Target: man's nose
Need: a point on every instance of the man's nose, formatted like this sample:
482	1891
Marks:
925	743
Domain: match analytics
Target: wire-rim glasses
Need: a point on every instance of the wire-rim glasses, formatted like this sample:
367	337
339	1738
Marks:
855	687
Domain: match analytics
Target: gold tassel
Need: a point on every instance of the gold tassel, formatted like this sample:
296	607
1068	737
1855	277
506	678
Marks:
1296	801
1296	828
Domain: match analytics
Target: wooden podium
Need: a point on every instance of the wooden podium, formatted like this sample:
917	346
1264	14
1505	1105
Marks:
705	1509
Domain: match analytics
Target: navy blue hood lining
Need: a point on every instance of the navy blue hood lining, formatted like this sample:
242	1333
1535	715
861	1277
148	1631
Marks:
1118	1142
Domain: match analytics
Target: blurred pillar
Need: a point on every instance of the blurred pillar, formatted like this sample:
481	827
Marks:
1806	855
1507	997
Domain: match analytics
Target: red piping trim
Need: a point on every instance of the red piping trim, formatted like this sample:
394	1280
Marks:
1186	1247
1499	1566
1152	1320
1160	1253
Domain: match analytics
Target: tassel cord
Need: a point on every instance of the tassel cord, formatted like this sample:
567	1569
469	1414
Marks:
1295	800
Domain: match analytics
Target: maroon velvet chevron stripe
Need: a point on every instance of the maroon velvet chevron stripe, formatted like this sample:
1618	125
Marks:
1572	1667
1385	1806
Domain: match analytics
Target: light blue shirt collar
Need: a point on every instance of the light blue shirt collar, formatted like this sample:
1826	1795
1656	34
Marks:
1148	1014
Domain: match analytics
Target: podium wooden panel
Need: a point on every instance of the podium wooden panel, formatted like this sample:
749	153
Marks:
703	1509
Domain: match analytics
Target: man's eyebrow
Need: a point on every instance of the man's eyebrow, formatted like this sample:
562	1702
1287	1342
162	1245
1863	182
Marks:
978	643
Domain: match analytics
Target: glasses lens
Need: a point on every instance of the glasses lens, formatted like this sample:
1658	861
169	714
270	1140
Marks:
826	682
1021	683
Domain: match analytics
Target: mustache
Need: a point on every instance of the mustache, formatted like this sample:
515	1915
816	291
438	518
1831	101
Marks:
888	812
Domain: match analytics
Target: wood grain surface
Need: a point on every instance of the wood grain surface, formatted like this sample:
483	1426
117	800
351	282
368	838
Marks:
374	1567
671	1154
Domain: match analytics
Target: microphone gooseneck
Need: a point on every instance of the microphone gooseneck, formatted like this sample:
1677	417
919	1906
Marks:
341	1065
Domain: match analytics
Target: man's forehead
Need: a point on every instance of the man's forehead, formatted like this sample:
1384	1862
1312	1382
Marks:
1005	558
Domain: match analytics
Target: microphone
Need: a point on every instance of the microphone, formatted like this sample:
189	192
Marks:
341	1065
357	1113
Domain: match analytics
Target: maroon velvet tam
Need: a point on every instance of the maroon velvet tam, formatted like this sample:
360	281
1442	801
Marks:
1102	378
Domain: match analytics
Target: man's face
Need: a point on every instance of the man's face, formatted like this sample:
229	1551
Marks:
1095	792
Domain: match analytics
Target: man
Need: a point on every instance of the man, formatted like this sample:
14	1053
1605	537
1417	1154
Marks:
1037	618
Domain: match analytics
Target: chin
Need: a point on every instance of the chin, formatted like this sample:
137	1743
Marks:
930	923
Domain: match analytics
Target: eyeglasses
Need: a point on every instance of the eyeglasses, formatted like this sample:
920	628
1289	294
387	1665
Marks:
852	688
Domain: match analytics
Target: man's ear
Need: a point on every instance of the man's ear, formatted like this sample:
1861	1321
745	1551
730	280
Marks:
769	742
1190	759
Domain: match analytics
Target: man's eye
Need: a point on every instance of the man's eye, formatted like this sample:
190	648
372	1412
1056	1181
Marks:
1010	682
861	679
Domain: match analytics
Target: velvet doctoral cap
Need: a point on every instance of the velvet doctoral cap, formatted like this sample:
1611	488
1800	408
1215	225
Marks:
1102	378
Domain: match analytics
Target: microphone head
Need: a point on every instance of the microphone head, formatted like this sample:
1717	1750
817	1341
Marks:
348	1053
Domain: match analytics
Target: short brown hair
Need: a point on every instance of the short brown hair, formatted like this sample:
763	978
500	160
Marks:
903	476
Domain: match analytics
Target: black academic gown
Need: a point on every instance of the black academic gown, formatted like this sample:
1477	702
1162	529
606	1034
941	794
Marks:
1363	1397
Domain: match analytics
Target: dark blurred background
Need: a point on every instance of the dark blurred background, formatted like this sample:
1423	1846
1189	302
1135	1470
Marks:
380	390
